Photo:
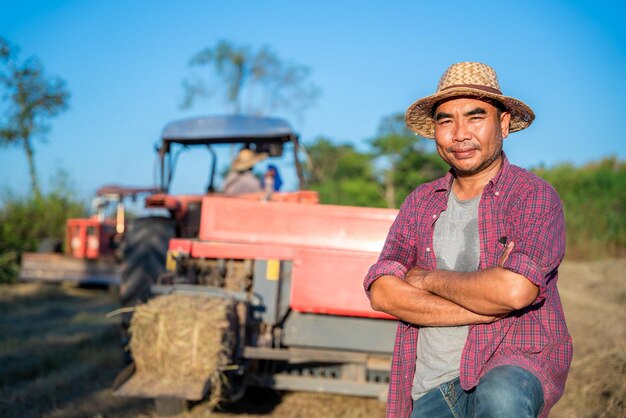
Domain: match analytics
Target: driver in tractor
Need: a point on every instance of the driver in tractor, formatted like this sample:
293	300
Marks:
241	179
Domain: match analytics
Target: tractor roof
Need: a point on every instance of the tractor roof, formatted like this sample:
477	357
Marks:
227	130
122	191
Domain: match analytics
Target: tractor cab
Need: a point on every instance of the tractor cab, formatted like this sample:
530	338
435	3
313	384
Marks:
100	234
272	136
260	134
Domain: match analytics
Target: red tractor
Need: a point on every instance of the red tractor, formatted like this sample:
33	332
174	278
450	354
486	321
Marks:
89	254
294	266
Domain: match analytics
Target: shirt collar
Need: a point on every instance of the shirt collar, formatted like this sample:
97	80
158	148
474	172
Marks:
497	180
444	184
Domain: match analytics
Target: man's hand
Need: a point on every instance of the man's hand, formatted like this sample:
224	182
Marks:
415	277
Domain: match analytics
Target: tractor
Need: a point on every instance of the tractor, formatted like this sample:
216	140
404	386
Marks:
293	266
90	254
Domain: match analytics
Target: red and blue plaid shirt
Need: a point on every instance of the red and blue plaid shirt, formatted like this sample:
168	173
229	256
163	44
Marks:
525	209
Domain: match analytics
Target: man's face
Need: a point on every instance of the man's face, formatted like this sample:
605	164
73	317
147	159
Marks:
469	134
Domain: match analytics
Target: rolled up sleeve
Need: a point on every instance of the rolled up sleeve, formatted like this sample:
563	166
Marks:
398	254
539	236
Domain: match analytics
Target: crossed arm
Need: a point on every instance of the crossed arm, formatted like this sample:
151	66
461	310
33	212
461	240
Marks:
446	298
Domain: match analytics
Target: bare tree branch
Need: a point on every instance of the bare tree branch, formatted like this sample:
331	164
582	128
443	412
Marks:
29	100
251	81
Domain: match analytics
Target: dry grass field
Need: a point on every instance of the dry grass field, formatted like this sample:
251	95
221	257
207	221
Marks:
59	355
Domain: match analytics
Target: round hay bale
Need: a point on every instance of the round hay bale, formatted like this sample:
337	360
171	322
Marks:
184	338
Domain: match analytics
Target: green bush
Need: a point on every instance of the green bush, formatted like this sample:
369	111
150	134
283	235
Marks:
594	199
26	221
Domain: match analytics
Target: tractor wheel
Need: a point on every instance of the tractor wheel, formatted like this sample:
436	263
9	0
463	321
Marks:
144	247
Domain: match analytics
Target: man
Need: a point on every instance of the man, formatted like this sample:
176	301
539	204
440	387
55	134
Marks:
241	179
470	267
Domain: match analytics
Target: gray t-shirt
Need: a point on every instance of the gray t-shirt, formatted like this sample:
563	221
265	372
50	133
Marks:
456	248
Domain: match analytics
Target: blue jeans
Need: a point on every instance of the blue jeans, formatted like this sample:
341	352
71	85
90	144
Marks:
505	391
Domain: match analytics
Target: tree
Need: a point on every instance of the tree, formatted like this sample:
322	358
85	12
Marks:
342	175
405	159
398	163
29	100
254	81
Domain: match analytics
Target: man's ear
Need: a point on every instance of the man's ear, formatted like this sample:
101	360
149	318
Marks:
505	120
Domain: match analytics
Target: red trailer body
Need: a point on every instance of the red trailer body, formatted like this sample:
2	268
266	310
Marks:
331	247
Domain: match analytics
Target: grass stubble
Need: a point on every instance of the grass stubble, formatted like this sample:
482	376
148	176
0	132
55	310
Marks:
59	355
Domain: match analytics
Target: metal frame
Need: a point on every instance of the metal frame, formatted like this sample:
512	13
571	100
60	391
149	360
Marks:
331	371
229	129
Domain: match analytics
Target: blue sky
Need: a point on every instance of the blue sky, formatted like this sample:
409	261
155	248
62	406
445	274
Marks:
124	62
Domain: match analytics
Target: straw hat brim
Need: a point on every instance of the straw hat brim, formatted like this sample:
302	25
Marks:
244	165
419	115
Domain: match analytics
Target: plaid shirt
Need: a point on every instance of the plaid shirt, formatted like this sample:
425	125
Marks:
524	208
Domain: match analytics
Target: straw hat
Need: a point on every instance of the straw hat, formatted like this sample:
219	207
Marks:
247	159
472	79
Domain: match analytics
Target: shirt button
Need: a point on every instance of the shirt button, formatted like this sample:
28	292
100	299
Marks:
427	249
497	193
435	216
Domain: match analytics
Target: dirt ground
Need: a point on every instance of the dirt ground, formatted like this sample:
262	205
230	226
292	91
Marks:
59	355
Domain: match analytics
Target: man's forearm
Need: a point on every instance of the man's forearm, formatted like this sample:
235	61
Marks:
398	298
492	291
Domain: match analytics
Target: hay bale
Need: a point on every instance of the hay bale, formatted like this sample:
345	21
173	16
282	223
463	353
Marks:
184	338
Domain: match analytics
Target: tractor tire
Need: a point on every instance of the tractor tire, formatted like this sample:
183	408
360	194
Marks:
144	247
